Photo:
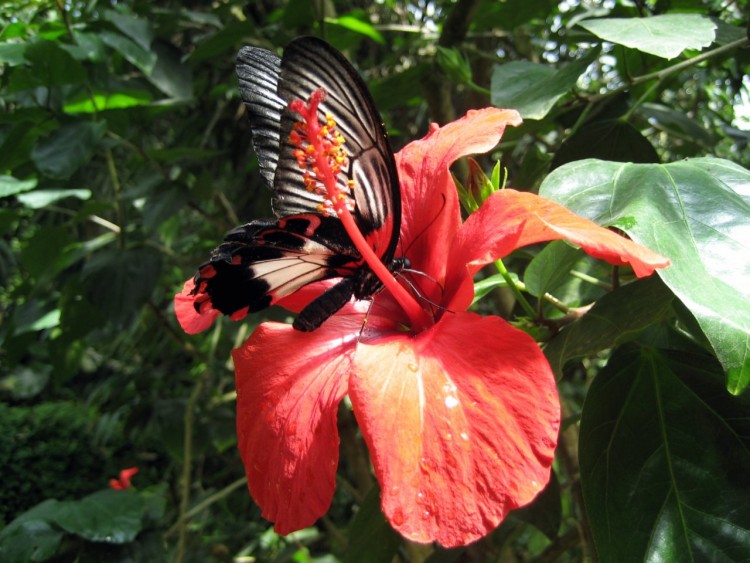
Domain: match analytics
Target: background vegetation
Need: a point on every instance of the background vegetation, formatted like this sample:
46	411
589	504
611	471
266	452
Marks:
125	155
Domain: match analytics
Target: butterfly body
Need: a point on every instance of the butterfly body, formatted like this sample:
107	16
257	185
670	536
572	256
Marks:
263	261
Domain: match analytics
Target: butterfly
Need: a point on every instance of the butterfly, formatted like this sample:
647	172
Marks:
265	260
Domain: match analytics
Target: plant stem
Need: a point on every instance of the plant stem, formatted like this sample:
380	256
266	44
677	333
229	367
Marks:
187	459
530	311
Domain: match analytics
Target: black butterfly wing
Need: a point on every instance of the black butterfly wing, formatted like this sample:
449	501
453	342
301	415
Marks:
309	64
258	73
266	260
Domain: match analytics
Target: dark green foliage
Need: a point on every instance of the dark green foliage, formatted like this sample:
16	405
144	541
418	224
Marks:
48	451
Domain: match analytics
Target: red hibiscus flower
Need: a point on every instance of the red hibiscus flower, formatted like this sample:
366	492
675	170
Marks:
123	482
460	412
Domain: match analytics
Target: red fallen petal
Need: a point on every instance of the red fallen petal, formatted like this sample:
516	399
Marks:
289	384
191	320
461	423
124	480
430	210
510	219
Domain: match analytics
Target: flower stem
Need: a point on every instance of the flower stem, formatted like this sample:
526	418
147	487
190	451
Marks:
530	311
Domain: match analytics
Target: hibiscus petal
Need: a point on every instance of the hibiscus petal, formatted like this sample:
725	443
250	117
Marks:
461	423
510	219
191	321
430	210
289	384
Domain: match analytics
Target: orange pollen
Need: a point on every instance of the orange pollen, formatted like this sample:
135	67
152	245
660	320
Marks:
319	152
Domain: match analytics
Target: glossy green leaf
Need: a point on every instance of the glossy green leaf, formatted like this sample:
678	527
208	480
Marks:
65	150
617	317
664	36
106	516
371	538
42	198
694	212
665	460
533	89
12	186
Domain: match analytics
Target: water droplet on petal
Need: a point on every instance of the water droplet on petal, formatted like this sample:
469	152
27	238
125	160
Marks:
426	514
464	436
448	436
451	401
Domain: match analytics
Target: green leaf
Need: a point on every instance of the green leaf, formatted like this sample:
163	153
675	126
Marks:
371	538
694	212
533	89
550	268
169	74
31	537
106	516
135	54
92	102
42	198
484	286
665	460
358	26
120	281
65	150
676	123
12	186
607	139
617	317
12	54
221	42
52	65
139	30
665	36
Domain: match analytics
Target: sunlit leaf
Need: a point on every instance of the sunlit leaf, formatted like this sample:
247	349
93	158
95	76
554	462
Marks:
694	212
92	102
358	26
665	35
12	186
42	198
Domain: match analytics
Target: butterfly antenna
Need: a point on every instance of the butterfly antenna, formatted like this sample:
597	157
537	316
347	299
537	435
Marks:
415	289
